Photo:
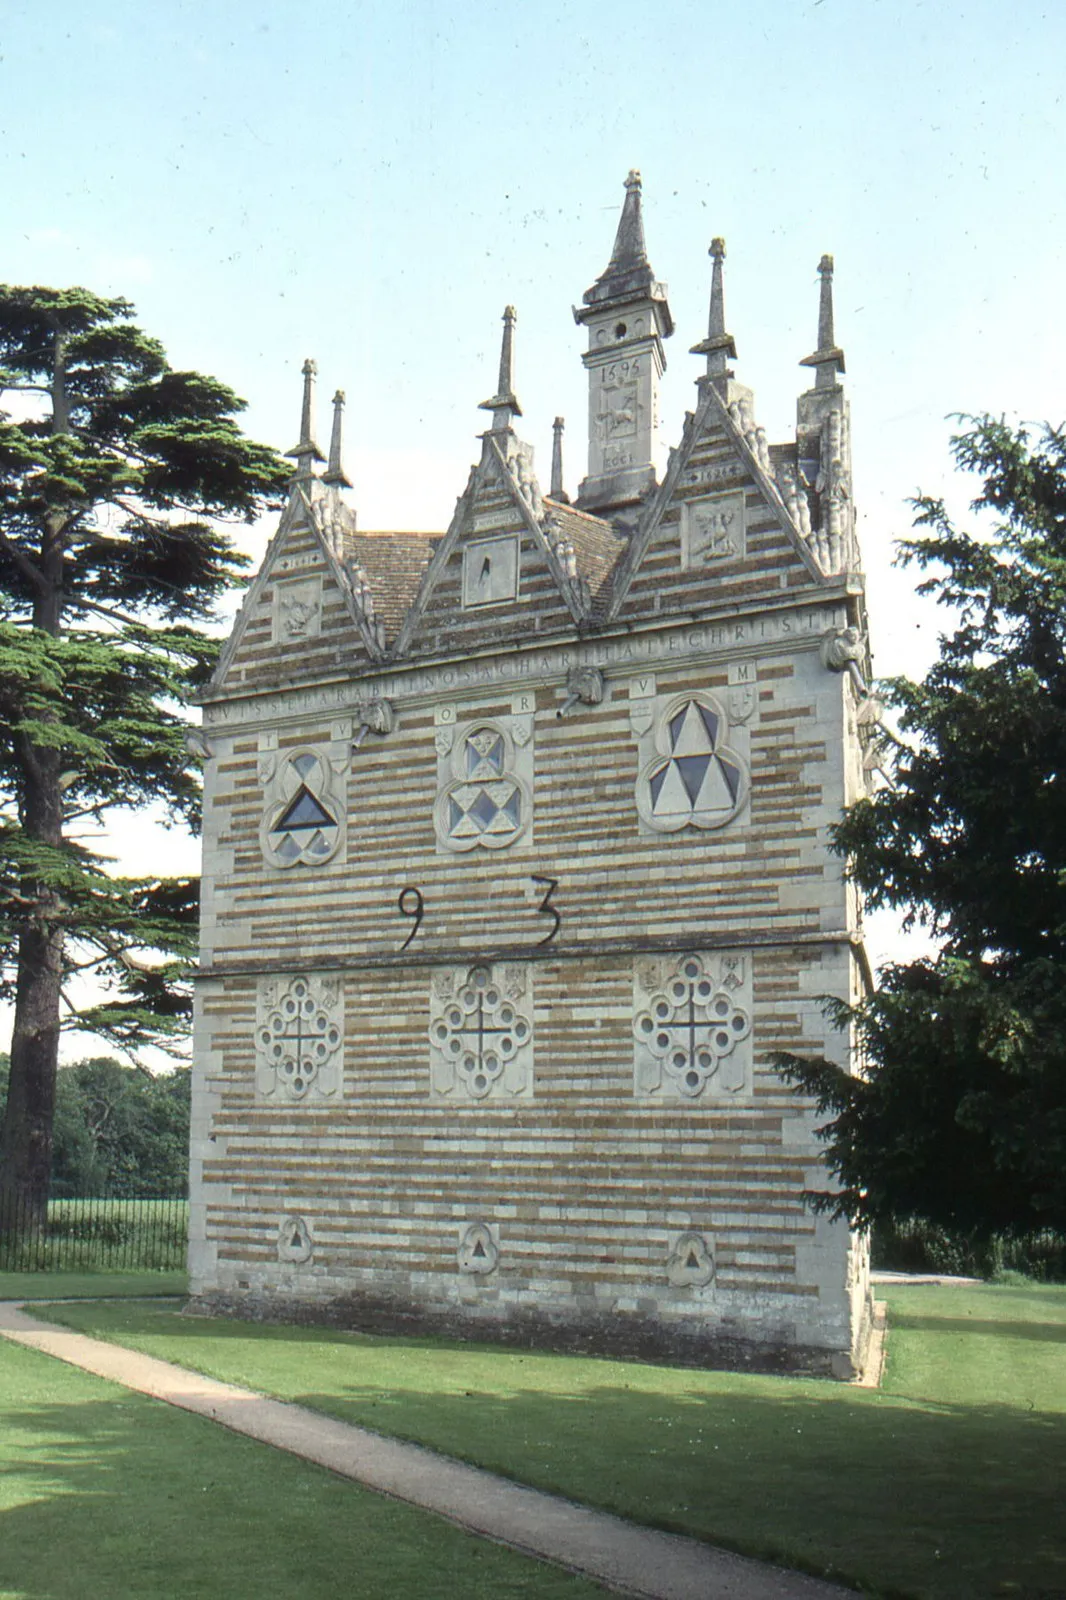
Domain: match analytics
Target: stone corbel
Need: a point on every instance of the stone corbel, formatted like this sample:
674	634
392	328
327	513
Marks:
372	716
198	744
842	650
584	685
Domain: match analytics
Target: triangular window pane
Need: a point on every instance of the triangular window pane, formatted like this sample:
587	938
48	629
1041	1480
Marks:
731	776
304	812
657	780
693	770
690	737
710	722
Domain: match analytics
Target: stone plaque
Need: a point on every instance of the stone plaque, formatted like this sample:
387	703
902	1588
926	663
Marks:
712	530
490	571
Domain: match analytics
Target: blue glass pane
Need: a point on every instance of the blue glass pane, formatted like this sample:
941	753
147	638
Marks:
657	781
483	810
710	722
304	812
731	774
693	770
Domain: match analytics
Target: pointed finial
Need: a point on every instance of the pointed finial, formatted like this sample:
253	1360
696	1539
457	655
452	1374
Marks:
828	360
335	473
630	252
557	491
503	405
306	453
718	346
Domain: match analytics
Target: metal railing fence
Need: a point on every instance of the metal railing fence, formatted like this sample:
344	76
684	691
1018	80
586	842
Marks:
94	1233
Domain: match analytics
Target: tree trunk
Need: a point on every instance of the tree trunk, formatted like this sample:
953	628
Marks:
26	1141
26	1138
26	1135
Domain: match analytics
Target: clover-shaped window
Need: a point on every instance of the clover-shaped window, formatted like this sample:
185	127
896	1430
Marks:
303	825
695	779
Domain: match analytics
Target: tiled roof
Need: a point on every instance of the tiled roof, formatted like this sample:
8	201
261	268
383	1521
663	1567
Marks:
596	545
394	564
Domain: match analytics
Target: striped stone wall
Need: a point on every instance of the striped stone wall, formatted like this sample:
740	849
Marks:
362	1194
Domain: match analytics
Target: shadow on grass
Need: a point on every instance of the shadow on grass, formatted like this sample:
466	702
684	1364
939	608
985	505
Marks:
123	1497
906	1496
1042	1332
946	1501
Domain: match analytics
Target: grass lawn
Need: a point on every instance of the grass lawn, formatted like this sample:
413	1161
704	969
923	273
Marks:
106	1493
946	1483
81	1285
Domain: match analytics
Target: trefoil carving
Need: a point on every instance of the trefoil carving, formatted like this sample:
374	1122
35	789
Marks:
478	1252
695	776
484	799
295	1242
690	1264
303	808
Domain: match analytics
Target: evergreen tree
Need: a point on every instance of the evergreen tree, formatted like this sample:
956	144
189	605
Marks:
119	1130
114	469
960	1115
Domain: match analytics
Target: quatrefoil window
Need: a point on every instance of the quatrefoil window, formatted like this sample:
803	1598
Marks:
485	804
299	1037
479	1032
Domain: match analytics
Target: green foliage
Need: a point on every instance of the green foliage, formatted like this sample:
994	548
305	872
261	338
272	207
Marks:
119	1130
960	1118
115	470
916	1246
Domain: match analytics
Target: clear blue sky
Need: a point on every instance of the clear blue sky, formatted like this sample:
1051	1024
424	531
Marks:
371	183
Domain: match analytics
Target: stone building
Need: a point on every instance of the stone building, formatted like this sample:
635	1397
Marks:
516	876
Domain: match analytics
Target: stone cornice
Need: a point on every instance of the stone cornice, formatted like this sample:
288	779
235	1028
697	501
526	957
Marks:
618	651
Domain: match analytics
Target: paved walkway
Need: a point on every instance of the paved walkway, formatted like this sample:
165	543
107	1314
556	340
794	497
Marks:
627	1558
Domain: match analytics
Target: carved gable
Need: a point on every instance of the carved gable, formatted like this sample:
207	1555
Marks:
718	532
496	573
301	617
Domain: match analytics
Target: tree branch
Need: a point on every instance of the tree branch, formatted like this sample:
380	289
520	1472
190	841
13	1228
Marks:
109	612
24	564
